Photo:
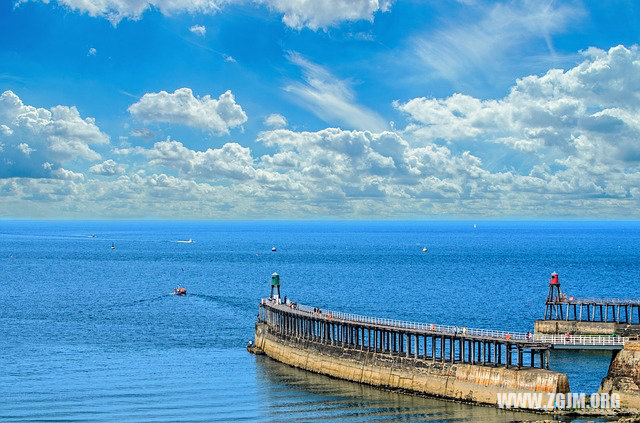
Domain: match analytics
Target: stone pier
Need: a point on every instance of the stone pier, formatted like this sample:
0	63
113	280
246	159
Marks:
465	365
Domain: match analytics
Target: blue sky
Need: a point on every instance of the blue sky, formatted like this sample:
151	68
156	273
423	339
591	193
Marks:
233	109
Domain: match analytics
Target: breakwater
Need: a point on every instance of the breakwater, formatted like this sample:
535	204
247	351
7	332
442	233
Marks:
447	362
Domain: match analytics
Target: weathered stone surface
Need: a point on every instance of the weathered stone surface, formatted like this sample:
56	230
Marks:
624	376
466	382
560	327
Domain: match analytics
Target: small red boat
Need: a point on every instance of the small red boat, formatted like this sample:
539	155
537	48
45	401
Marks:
179	291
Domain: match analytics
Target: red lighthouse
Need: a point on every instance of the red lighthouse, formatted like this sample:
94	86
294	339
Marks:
553	309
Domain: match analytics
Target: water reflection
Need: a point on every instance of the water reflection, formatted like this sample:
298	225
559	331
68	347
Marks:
294	394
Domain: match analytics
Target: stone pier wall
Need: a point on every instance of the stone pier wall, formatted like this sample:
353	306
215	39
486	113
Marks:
561	327
465	382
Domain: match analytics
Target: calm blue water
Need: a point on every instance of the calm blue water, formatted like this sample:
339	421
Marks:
92	334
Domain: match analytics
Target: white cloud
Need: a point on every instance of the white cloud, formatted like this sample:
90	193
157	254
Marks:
296	13
574	134
330	98
229	59
582	121
551	111
181	107
199	30
69	175
5	130
116	10
230	161
107	168
275	121
337	164
24	147
40	135
92	52
315	14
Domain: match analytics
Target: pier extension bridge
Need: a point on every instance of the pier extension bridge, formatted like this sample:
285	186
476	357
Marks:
574	322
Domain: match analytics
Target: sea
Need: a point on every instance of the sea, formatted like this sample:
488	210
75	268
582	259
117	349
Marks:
93	333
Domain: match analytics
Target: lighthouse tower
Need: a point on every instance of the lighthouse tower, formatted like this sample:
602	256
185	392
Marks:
275	286
553	309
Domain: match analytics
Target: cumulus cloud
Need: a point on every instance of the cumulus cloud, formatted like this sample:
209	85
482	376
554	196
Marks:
296	13
92	52
107	168
41	135
182	107
556	110
577	131
69	175
322	14
275	120
330	98
583	120
338	164
230	161
199	30
116	10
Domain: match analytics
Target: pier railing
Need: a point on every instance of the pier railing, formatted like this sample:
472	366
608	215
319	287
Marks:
403	324
574	340
604	301
582	340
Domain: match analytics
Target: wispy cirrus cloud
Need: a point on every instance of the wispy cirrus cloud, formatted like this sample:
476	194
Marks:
495	42
330	98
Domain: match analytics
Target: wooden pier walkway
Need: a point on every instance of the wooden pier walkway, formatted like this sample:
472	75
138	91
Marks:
411	339
519	340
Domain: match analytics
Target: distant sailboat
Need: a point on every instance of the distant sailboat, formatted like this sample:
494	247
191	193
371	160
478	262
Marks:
273	249
185	241
113	246
424	249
